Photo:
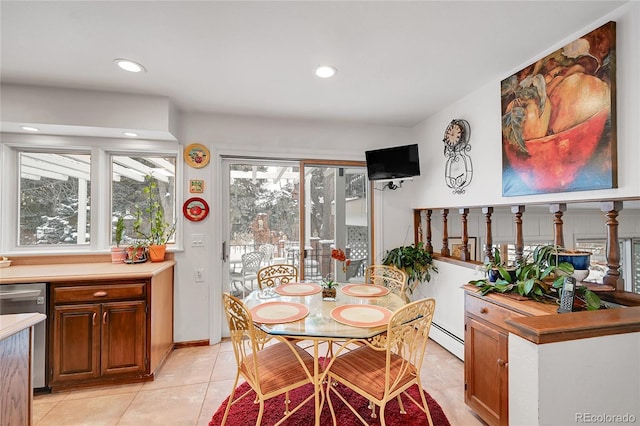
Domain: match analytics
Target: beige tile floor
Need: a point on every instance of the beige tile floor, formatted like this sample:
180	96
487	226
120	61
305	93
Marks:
193	383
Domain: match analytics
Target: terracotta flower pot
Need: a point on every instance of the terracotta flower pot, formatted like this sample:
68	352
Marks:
156	253
118	255
136	254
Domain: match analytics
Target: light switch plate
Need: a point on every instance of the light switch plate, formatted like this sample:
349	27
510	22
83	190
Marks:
197	240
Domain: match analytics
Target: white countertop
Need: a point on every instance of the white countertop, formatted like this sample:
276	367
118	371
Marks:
11	324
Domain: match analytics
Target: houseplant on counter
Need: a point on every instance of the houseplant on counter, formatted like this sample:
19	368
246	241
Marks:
539	279
414	260
150	224
118	254
496	268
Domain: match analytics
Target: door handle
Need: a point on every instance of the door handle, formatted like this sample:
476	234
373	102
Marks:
224	251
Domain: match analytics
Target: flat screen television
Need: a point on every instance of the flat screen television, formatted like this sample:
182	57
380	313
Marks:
397	162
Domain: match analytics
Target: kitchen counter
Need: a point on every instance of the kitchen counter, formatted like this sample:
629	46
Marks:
13	323
16	399
81	272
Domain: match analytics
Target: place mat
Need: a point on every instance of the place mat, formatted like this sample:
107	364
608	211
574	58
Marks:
278	312
298	289
364	290
361	315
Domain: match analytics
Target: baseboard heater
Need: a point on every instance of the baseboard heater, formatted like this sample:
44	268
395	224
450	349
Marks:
448	333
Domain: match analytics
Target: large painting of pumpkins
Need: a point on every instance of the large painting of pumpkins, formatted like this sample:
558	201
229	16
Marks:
559	120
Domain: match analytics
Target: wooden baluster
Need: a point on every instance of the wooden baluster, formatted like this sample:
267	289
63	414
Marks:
445	234
464	252
517	211
488	253
429	247
612	276
417	226
558	234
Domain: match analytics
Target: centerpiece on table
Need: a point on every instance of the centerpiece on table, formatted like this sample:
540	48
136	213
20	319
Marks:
329	288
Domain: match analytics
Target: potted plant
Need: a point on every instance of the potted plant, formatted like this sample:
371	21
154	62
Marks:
329	290
414	260
496	268
150	223
136	252
540	279
118	254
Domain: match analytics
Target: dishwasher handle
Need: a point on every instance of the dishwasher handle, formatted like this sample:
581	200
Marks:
19	294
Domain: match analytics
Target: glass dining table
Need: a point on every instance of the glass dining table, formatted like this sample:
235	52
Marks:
298	311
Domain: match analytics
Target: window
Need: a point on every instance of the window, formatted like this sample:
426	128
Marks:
54	199
128	179
65	194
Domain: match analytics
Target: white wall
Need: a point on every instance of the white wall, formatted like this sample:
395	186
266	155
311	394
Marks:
198	305
86	112
563	383
482	110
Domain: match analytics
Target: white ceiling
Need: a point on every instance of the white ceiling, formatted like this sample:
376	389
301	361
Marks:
398	62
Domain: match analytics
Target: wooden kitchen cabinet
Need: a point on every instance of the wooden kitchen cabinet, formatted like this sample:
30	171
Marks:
109	331
486	351
486	359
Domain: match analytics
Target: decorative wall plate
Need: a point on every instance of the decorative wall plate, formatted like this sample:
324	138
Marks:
196	155
195	209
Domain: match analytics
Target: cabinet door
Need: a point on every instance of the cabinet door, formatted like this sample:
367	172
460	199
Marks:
486	377
123	338
75	343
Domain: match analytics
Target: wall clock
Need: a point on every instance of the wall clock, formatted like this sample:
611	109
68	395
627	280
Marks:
196	155
458	170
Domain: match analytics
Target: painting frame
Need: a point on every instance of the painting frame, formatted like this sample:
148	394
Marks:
558	118
456	247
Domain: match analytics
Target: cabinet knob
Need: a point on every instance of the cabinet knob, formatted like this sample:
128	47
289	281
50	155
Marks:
100	293
484	310
502	363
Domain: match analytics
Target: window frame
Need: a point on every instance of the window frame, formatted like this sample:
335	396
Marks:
101	150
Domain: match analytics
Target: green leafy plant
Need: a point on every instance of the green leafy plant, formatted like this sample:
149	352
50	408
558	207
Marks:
539	278
119	234
328	282
415	260
150	224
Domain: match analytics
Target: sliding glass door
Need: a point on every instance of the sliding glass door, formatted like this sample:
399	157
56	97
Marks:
296	213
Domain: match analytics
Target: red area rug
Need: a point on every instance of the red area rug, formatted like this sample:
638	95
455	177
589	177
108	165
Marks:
245	412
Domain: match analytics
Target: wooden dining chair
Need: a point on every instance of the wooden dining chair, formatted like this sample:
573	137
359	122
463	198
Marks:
270	370
389	276
274	275
384	369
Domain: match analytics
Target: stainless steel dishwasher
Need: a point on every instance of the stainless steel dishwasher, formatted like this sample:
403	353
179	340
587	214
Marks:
26	298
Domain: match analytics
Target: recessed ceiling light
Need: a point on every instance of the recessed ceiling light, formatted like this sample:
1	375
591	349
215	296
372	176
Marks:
325	71
30	129
131	134
129	65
